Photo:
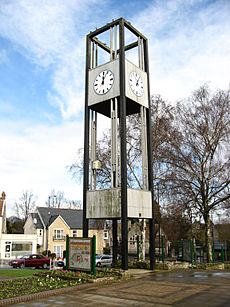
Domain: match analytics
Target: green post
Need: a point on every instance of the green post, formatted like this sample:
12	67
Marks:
182	252
67	253
93	271
222	253
213	253
162	246
194	250
138	248
191	251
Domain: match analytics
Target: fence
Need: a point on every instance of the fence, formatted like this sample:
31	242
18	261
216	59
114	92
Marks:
181	250
188	250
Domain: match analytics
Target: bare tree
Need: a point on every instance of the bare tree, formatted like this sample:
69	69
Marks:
76	168
74	204
176	225
197	157
56	199
25	205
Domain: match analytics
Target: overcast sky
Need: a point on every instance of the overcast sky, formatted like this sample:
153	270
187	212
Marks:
42	58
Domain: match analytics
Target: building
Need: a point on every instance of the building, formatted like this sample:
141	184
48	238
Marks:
13	245
52	225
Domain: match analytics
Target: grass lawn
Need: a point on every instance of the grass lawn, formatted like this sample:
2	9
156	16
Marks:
14	273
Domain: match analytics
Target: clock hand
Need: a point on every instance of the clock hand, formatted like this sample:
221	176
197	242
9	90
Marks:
103	78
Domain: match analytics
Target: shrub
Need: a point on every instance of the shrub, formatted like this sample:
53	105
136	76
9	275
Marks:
106	250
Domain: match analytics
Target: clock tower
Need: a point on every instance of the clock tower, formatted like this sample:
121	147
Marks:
117	86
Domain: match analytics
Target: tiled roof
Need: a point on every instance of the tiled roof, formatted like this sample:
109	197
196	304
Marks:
72	217
36	218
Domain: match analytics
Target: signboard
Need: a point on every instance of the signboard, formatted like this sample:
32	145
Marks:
80	254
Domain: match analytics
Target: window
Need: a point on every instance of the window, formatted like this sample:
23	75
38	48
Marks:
40	232
58	249
105	257
58	234
132	240
74	233
19	248
106	235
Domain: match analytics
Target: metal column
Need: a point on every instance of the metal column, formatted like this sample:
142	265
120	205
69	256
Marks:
114	140
150	165
124	220
114	167
86	140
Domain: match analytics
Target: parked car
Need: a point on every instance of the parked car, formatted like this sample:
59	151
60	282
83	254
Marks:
104	260
34	260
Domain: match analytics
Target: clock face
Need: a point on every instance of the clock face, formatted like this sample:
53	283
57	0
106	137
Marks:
103	82
136	83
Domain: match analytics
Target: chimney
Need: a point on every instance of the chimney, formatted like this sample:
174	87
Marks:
3	196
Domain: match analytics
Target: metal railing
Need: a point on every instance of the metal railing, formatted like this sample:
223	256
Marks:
59	238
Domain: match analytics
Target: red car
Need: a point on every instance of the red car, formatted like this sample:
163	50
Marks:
34	260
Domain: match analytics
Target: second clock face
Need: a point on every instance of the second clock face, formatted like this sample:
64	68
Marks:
103	82
136	83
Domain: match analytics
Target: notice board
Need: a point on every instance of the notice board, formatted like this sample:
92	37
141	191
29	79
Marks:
80	254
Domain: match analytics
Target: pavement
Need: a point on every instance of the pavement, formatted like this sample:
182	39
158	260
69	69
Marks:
160	289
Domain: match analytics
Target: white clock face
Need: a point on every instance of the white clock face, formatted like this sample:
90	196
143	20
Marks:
103	82
136	83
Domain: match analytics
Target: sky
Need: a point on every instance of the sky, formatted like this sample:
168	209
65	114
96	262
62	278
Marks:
42	60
